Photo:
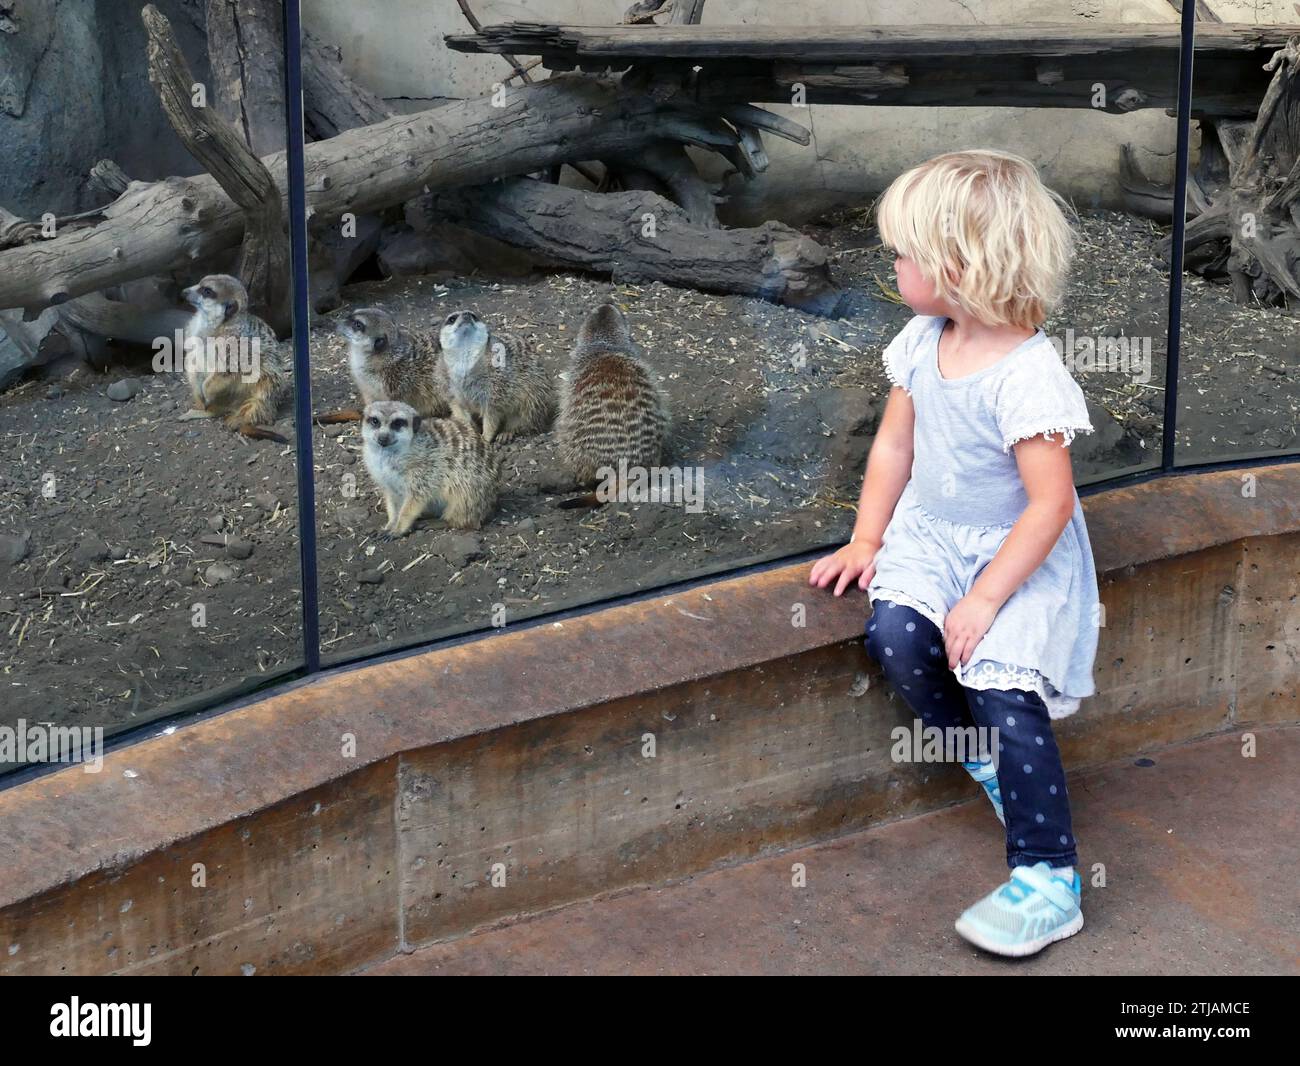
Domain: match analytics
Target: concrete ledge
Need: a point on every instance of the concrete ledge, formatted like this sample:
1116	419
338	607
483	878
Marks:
336	823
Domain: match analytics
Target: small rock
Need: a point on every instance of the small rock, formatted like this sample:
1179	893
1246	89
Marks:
352	517
118	551
91	550
218	573
14	548
348	458
54	392
216	523
334	431
123	390
370	577
266	501
554	481
849	411
528	525
239	549
462	550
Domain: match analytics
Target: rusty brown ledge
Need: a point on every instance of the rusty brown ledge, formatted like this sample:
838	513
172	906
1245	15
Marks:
58	829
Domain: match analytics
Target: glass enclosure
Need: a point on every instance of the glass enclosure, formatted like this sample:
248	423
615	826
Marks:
1239	372
150	555
465	225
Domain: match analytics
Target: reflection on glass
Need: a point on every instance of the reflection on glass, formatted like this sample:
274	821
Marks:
148	546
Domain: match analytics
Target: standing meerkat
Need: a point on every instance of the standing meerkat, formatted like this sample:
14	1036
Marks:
425	466
496	379
611	410
236	368
391	363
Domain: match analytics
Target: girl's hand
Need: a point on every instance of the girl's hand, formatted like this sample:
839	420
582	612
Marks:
856	560
965	625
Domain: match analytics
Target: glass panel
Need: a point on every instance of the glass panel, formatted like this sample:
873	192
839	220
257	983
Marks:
149	562
1239	374
1112	326
766	343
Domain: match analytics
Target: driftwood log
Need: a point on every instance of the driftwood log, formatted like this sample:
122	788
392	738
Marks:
264	255
332	101
1243	196
162	227
246	50
1248	179
640	237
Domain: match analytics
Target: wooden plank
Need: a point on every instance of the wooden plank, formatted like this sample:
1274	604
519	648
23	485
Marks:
1224	86
857	43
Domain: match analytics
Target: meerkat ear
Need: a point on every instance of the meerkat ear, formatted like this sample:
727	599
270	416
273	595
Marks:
415	424
230	308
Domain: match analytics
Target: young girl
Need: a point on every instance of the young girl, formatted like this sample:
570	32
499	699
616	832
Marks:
970	540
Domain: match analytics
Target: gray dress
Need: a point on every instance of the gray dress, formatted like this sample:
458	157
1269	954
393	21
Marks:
963	497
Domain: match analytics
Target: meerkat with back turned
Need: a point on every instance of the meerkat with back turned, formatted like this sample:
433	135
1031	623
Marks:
611	410
423	466
391	363
235	365
496	380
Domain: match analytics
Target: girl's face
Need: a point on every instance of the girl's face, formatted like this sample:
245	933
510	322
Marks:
916	291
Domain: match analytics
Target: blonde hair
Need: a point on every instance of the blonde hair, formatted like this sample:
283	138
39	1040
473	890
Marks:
984	230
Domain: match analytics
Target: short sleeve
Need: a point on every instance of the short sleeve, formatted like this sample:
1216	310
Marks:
904	352
1038	397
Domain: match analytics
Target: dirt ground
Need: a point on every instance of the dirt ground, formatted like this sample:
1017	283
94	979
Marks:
122	529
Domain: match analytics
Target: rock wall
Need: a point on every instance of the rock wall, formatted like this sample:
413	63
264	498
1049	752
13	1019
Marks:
74	89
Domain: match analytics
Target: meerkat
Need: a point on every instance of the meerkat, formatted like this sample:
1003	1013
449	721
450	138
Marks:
496	380
236	367
424	466
610	407
391	363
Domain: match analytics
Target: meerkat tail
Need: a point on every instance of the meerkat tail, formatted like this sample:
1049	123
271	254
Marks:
247	429
590	499
333	418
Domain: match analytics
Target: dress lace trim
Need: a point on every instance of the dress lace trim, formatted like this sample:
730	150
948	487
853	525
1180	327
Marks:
904	600
987	673
1067	435
892	373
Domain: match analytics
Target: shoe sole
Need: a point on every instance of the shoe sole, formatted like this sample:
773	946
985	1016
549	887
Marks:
1018	951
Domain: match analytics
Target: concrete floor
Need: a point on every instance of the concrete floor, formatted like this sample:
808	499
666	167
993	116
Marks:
1201	857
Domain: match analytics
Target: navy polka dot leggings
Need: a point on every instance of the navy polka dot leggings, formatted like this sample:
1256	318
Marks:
909	648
